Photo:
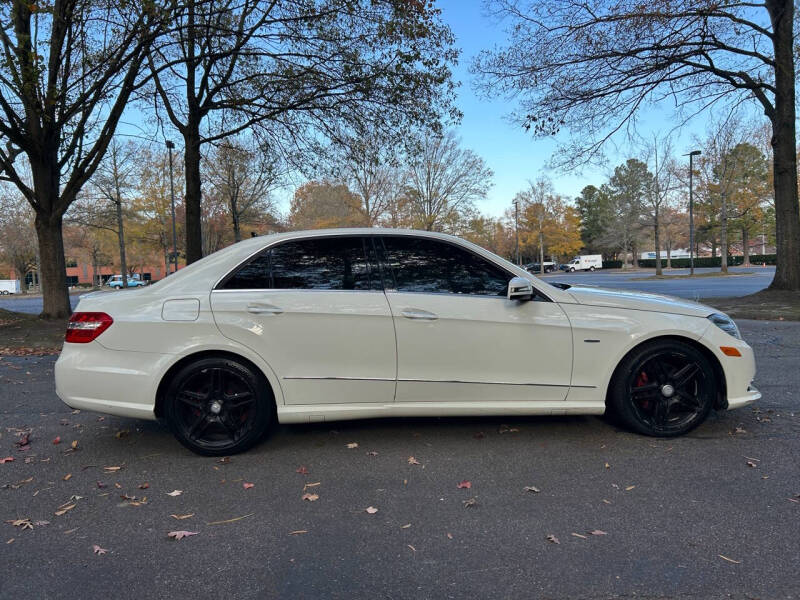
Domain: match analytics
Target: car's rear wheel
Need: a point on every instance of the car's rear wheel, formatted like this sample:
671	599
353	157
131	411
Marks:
663	389
218	406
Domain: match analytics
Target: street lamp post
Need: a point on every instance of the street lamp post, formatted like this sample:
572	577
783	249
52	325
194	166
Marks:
516	229
691	155
170	146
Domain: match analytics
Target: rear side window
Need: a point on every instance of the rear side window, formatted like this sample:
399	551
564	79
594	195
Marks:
316	264
433	267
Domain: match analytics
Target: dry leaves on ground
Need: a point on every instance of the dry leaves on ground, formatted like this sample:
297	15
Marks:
174	493
179	535
352	445
302	470
413	461
246	485
531	488
464	485
182	517
552	539
370	510
98	550
310	497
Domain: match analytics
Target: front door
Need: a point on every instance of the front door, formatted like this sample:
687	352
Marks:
315	310
459	339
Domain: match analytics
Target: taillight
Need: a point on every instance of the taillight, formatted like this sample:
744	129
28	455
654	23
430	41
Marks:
83	327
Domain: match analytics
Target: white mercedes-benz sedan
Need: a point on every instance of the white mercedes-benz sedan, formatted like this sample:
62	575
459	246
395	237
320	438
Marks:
360	323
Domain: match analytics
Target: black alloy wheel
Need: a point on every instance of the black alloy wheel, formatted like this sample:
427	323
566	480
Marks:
663	389
218	406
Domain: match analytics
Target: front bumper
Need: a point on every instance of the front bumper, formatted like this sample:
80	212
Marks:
739	370
92	377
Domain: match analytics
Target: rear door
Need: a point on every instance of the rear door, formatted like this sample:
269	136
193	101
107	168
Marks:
459	339
315	310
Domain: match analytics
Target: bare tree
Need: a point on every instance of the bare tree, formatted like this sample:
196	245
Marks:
302	70
244	176
659	155
66	77
444	180
590	65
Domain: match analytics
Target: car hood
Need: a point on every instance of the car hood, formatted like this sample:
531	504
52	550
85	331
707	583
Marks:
635	300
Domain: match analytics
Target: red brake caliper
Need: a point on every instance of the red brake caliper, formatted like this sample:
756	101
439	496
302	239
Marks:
640	381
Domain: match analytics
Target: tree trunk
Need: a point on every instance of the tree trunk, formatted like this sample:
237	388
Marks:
541	252
787	210
55	297
657	236
193	200
745	247
669	254
723	234
635	254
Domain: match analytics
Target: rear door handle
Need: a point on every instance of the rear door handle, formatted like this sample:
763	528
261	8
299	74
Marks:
418	313
264	309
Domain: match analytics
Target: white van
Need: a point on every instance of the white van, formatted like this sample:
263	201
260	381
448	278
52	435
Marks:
9	286
586	262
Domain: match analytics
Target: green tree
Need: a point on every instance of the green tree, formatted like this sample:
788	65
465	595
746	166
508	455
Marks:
325	204
629	188
596	212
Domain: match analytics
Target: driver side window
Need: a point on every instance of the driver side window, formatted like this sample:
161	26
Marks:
432	267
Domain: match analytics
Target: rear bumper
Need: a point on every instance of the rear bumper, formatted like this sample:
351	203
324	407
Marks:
92	377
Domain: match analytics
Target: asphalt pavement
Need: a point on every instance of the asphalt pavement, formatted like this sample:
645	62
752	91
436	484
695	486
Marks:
713	514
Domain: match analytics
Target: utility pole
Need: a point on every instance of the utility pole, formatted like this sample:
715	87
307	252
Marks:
170	146
516	230
691	155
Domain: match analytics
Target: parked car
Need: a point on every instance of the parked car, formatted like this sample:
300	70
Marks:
337	324
9	286
535	267
115	281
586	262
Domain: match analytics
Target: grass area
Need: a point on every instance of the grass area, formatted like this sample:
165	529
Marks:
23	334
695	276
767	305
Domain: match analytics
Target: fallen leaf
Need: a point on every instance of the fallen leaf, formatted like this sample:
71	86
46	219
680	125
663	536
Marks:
230	520
179	535
552	539
608	466
629	488
412	547
247	485
311	485
144	486
406	526
412	461
750	463
578	535
25	440
531	488
121	433
736	562
225	459
606	501
298	532
352	445
449	536
57	440
64	509
310	497
302	470
372	453
6	459
174	493
464	485
370	510
470	502
182	517
597	532
21	523
739	430
98	550
111	469
67	477
101	485
74	444
507	429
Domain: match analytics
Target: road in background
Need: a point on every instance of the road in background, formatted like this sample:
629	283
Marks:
752	280
701	287
713	514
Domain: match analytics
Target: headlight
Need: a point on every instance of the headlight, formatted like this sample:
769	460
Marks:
725	323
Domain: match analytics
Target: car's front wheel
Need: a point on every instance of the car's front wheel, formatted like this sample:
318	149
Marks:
663	389
218	406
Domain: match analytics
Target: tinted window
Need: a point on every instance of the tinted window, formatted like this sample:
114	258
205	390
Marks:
316	264
428	266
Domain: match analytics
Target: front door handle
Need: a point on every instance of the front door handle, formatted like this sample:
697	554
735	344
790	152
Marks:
264	309
418	313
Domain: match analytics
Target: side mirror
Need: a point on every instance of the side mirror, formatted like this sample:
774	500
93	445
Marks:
520	288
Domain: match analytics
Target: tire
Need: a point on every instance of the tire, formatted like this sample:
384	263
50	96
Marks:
218	406
572	269
663	388
591	268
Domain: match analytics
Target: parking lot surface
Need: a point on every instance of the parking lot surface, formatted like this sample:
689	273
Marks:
710	515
